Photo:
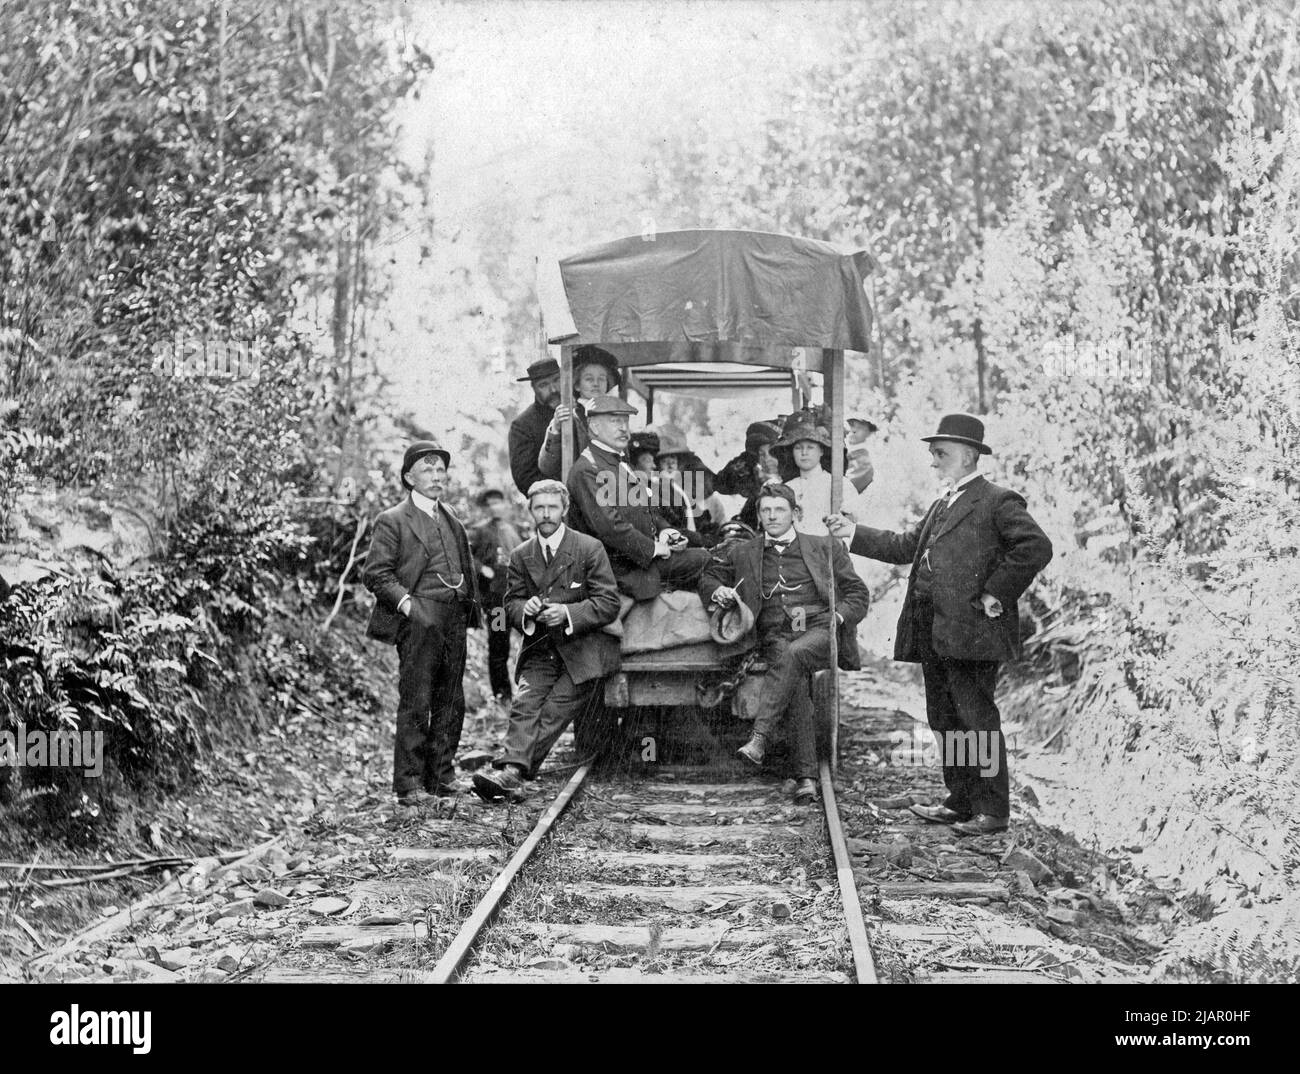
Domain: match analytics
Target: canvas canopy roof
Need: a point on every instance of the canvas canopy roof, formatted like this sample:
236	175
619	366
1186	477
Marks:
688	297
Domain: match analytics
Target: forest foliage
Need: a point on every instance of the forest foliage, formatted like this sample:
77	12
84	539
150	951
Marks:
191	197
1087	229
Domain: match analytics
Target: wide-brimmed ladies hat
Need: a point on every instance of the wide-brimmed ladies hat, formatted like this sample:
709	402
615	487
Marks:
796	431
589	355
962	429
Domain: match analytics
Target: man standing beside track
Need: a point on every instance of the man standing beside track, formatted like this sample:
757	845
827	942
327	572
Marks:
422	575
972	556
783	578
561	593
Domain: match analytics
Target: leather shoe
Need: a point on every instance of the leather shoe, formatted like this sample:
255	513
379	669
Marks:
982	824
752	751
938	814
805	792
498	783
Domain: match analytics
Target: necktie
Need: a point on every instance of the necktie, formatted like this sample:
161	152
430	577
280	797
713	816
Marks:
780	546
546	554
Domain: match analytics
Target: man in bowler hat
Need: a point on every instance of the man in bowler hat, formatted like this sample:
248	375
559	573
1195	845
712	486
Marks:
972	556
528	431
422	575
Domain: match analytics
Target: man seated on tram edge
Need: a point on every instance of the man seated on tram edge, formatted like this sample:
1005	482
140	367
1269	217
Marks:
783	579
613	503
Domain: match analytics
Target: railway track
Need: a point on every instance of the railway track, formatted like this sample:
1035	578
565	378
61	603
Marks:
672	880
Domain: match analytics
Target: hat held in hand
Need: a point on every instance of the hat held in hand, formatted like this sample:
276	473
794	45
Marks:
729	625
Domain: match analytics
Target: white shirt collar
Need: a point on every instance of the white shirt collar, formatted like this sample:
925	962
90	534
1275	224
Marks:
428	506
956	490
789	535
605	447
553	541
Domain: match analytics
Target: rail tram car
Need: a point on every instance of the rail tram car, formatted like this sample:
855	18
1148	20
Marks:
708	313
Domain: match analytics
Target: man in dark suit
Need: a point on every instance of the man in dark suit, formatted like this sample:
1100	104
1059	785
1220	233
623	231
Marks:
422	575
491	542
561	592
613	503
784	579
972	555
528	431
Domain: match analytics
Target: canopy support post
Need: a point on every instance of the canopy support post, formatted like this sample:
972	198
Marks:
650	406
566	399
833	395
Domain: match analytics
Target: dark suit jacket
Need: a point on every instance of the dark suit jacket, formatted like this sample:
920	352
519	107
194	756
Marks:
987	543
484	540
526	435
579	577
603	506
397	558
744	560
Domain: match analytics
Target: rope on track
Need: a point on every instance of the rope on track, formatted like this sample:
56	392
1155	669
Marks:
445	971
863	964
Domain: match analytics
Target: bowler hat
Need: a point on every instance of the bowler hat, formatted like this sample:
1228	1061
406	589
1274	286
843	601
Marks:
609	404
964	429
587	355
540	370
730	625
418	450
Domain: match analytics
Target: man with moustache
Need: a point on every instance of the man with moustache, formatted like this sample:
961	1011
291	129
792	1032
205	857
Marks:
612	502
528	431
561	592
972	556
783	578
422	575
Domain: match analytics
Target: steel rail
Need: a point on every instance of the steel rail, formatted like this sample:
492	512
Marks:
448	966
863	964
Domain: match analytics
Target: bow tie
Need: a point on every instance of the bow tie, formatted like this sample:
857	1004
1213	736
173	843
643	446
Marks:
780	546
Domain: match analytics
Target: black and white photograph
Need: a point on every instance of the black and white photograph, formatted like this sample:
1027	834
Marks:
650	492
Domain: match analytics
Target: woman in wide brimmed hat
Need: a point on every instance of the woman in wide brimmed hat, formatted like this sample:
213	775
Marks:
595	373
684	485
804	452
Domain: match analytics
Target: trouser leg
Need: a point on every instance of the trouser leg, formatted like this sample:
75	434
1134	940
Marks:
981	746
786	702
447	715
417	649
565	702
538	674
682	570
498	653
